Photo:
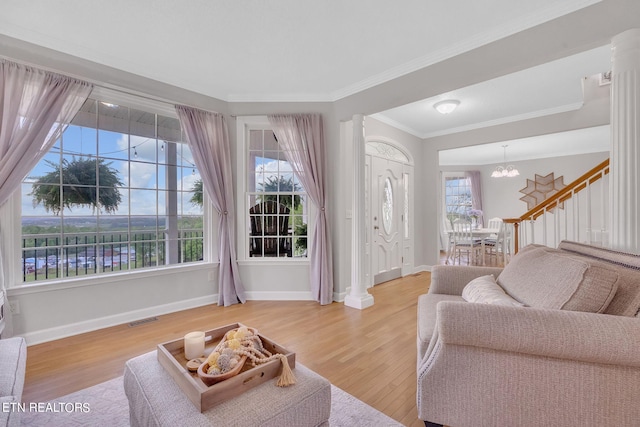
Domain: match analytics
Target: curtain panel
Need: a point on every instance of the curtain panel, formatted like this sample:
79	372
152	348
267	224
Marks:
476	192
302	139
208	138
35	108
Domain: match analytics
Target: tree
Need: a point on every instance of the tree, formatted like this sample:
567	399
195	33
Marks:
80	187
281	184
196	199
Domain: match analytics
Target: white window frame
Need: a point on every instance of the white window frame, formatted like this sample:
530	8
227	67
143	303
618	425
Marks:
445	176
11	219
243	126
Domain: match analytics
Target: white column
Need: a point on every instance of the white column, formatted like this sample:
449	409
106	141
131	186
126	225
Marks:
625	142
358	296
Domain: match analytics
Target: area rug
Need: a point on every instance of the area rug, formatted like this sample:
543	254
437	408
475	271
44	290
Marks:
106	405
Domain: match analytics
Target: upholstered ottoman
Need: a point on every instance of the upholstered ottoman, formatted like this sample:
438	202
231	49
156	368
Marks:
156	400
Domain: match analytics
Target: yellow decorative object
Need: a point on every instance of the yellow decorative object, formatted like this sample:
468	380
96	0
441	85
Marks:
213	358
238	346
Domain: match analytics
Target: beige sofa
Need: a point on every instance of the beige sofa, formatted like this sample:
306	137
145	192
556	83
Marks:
554	340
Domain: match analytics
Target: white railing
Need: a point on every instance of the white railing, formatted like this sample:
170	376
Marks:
579	212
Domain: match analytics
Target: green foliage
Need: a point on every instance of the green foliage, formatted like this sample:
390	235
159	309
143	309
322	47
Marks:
79	186
197	199
283	185
301	242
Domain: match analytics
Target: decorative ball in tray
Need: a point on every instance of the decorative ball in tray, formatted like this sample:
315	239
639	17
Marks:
234	350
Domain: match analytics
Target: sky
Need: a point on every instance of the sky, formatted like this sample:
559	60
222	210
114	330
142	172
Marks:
117	148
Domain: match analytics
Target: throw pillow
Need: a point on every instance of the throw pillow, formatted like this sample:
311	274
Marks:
485	290
549	278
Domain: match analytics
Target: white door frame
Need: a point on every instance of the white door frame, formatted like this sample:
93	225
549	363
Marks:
387	148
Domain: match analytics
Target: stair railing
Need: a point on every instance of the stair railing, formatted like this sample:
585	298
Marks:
577	212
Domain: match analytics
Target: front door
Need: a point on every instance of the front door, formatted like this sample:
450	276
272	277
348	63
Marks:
386	213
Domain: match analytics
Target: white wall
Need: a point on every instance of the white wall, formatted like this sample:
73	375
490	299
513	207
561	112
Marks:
501	196
54	311
49	313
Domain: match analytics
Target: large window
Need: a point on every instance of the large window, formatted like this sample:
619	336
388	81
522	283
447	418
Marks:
118	191
457	196
276	211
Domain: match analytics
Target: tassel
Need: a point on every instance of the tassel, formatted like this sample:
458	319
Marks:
287	377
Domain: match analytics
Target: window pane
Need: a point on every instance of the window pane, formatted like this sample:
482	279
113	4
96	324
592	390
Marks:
112	145
142	125
143	175
169	129
113	171
275	223
78	140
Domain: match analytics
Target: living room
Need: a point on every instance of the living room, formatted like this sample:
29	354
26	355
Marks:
49	311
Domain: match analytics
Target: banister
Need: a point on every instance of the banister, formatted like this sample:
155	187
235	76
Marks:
561	196
565	193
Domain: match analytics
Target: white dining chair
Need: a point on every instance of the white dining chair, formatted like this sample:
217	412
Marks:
496	247
495	223
464	242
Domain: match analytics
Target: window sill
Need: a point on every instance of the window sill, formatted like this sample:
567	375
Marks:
70	283
274	261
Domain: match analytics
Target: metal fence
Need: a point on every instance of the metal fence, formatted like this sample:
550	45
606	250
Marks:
46	257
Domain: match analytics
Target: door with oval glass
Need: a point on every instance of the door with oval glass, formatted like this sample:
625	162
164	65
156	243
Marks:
387	202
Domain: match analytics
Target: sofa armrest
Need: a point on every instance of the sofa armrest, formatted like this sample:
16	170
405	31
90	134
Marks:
577	336
499	365
451	279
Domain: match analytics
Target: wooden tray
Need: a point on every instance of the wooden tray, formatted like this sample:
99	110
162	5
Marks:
171	357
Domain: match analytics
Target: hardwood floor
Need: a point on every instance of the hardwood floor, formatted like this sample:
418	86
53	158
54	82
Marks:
369	353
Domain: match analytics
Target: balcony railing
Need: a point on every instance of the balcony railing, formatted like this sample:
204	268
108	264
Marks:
51	256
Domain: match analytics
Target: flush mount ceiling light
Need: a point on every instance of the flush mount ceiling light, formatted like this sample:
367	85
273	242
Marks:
505	171
446	106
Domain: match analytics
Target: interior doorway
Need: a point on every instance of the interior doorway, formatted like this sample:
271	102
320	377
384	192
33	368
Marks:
389	244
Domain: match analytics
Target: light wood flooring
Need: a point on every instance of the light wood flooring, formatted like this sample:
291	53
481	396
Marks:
369	353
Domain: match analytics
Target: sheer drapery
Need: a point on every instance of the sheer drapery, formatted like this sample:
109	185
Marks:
208	138
302	139
35	108
476	192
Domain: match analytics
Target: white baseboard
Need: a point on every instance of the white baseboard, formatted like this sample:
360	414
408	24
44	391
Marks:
340	296
278	296
421	268
58	332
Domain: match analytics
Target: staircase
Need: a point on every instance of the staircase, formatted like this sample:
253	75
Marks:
579	212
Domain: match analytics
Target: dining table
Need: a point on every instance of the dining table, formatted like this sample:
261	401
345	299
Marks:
481	234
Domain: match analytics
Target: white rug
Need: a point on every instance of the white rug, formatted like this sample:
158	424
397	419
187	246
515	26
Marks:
106	405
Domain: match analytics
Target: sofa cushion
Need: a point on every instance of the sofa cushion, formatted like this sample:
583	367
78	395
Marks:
543	277
485	290
626	301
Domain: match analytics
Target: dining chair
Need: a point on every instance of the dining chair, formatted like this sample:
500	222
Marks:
495	223
447	232
464	242
497	246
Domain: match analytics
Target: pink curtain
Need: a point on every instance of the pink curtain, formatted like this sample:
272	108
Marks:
476	192
35	108
208	138
302	139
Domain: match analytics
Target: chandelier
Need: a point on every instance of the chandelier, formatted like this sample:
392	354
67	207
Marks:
504	171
